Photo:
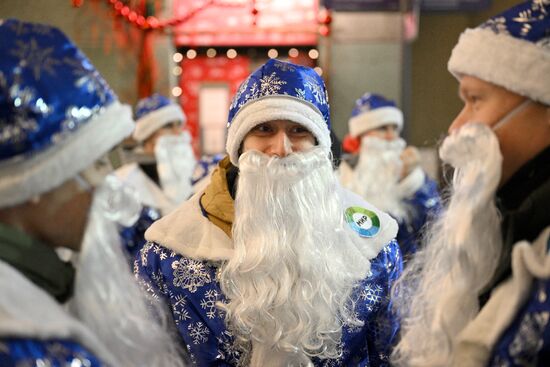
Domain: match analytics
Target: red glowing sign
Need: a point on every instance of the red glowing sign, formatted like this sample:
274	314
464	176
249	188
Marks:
247	23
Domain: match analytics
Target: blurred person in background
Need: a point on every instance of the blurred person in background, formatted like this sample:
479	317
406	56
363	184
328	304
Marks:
164	180
386	172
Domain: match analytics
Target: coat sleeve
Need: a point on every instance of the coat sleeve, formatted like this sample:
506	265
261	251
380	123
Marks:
190	291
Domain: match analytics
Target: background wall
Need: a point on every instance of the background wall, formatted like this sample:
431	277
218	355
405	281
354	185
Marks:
434	91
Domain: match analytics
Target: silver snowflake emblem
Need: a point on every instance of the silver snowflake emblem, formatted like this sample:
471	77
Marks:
34	57
158	278
372	295
270	84
352	327
284	66
179	308
198	332
88	78
239	93
150	291
208	303
17	130
145	252
540	5
190	274
300	93
228	350
316	89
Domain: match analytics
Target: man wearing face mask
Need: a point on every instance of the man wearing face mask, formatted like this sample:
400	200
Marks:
386	172
58	119
165	180
477	295
273	263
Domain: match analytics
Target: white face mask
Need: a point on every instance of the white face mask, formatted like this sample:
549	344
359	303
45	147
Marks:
503	121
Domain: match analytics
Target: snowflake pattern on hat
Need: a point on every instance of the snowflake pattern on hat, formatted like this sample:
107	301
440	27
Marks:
278	78
528	21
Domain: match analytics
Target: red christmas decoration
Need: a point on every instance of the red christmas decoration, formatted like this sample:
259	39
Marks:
351	144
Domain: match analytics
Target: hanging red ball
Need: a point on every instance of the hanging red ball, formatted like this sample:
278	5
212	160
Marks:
324	30
324	17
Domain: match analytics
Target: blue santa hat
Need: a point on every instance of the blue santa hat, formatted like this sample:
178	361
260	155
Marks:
57	114
511	50
372	111
154	112
279	90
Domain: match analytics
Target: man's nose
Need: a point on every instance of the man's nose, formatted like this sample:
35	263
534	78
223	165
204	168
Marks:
459	121
281	145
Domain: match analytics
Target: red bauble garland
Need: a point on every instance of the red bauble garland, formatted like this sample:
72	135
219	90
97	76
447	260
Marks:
151	22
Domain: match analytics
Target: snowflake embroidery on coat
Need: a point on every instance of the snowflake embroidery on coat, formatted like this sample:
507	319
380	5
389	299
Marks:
198	332
497	25
179	309
540	6
145	252
227	349
528	341
372	296
190	274
208	303
352	327
158	278
270	84
316	89
150	291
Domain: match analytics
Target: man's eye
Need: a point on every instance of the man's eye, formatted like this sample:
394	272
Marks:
299	130
262	128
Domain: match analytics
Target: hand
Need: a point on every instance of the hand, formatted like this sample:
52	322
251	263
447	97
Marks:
411	159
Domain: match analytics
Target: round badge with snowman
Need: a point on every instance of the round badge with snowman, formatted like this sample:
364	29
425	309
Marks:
363	221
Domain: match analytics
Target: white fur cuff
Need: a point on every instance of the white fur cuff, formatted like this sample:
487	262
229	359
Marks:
275	108
519	66
23	179
376	118
153	121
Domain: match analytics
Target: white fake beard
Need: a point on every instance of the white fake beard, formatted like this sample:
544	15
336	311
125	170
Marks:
437	295
294	266
377	174
175	166
107	297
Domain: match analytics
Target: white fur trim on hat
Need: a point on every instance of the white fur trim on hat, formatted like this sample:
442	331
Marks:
21	179
156	119
519	66
271	108
376	118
